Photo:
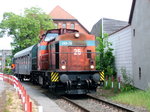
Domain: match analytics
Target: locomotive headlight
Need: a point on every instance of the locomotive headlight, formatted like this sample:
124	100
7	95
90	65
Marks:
92	66
63	67
96	77
77	35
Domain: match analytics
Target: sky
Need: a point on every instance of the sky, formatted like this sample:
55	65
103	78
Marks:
88	12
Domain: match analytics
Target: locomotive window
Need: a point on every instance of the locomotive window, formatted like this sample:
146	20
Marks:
50	36
88	53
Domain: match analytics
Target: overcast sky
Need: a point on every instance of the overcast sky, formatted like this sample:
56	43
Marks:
88	12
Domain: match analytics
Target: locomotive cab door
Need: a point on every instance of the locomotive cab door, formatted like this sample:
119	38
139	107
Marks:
57	55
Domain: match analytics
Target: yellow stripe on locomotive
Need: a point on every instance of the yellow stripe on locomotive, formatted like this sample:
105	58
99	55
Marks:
54	77
102	78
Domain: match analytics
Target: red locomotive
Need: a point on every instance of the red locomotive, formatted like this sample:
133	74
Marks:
63	60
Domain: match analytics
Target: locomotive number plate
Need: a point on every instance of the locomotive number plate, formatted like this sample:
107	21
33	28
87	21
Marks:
65	43
77	51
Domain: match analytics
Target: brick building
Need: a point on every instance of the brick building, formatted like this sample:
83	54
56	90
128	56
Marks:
63	19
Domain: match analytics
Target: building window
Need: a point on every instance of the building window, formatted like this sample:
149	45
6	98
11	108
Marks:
72	26
133	32
64	25
56	25
139	73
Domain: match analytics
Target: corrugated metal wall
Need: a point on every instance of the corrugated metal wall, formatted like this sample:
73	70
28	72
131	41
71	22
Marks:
121	43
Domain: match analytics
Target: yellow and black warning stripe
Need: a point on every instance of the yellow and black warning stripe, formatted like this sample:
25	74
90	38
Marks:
54	77
102	78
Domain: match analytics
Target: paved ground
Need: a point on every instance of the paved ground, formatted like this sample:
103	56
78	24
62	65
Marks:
37	94
3	85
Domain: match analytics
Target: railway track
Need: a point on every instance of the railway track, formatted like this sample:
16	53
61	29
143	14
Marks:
91	104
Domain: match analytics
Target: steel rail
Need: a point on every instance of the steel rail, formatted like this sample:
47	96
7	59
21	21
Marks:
82	109
112	105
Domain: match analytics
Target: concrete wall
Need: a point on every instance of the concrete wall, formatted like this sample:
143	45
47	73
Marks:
121	43
141	43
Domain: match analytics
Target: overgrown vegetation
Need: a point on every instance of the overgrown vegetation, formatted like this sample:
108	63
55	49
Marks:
8	63
127	94
105	59
7	71
105	62
25	28
127	84
109	85
136	98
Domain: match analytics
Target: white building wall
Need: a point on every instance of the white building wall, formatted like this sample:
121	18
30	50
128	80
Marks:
121	43
141	44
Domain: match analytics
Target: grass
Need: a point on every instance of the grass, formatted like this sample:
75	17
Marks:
135	97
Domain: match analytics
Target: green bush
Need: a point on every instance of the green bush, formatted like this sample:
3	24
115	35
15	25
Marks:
105	59
7	71
127	88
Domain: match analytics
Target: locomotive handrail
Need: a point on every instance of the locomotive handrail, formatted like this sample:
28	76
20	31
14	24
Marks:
72	52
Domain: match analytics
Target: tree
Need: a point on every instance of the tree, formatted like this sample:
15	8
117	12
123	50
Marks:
25	28
105	58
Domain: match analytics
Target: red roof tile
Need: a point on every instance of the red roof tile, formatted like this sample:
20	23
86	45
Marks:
59	13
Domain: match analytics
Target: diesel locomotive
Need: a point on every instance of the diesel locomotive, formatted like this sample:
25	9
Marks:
63	61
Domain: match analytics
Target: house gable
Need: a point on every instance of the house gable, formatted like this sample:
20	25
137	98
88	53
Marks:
63	19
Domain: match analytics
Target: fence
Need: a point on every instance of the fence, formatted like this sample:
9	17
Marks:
25	98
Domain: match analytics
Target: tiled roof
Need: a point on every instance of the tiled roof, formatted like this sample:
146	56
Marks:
59	13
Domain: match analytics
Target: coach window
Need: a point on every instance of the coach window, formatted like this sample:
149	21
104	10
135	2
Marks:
64	25
72	26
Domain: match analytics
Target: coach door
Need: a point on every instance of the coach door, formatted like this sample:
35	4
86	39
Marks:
76	58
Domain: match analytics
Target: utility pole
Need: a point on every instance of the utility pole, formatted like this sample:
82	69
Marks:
102	29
